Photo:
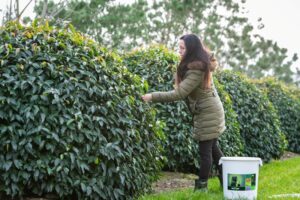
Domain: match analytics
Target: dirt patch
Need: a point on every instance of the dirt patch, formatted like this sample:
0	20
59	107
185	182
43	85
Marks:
288	154
172	181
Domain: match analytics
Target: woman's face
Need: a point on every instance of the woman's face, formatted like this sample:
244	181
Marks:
181	48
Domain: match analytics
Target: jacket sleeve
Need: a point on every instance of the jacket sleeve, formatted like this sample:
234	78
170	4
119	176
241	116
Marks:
192	80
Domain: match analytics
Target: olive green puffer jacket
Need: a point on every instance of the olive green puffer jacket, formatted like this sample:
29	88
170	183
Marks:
205	105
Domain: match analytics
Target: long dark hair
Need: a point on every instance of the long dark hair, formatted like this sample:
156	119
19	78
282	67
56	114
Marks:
194	51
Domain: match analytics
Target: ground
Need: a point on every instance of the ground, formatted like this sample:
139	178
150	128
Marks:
175	180
172	181
288	154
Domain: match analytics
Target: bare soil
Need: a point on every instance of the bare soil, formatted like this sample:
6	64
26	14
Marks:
173	181
288	155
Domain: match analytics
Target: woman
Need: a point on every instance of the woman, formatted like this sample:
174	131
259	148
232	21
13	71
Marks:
194	83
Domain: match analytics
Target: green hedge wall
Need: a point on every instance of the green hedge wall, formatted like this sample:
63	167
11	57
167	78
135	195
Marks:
258	119
72	122
288	107
157	65
230	141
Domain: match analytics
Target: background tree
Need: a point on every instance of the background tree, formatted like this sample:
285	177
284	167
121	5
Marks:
221	24
119	26
13	11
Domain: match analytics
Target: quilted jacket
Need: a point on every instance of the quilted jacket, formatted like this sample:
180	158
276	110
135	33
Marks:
205	104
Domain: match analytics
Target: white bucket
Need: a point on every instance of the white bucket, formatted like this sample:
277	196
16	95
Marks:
240	177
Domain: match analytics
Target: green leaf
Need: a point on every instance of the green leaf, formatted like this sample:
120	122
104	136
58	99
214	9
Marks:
83	187
18	164
7	165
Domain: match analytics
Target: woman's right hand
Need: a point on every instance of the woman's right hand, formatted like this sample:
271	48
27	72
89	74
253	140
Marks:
147	97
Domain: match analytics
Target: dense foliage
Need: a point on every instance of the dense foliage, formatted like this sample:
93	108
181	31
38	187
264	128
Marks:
71	119
288	107
73	124
258	119
157	65
230	141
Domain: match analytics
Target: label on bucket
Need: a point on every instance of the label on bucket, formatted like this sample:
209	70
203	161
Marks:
241	182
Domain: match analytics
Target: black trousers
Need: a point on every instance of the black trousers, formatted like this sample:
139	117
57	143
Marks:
210	154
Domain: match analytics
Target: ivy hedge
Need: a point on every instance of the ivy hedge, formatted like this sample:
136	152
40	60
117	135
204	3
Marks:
288	107
72	122
258	119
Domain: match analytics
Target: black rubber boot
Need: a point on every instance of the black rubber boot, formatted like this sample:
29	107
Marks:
220	177
200	185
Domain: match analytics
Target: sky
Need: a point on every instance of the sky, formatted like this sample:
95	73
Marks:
281	19
282	22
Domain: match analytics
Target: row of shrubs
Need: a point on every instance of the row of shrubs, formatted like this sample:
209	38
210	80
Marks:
157	65
72	122
261	116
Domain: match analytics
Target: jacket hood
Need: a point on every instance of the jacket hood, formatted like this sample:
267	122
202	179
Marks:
201	65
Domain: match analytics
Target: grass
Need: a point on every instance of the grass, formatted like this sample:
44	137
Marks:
275	178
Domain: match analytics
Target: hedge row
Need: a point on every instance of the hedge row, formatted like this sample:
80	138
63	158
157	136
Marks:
156	65
250	105
231	141
288	106
253	126
258	119
72	122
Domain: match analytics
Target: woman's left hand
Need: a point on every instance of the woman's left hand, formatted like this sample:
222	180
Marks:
147	97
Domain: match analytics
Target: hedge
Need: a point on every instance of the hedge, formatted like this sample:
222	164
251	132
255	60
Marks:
157	65
288	107
231	140
72	122
258	119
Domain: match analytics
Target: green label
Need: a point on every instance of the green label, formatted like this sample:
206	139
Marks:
241	182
